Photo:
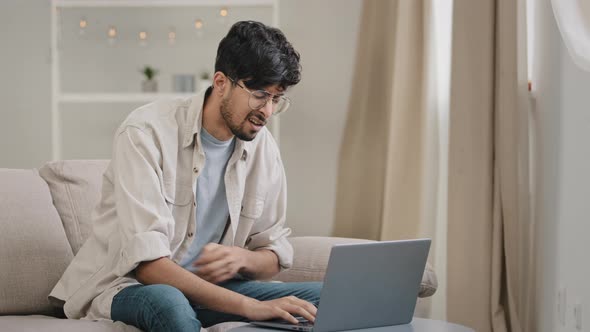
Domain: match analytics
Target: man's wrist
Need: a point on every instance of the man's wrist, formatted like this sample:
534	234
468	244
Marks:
245	260
245	304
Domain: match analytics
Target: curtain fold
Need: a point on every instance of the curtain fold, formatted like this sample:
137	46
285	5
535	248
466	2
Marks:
489	264
389	147
379	180
395	172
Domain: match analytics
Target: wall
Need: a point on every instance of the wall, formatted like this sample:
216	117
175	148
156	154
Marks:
89	63
561	123
25	114
325	34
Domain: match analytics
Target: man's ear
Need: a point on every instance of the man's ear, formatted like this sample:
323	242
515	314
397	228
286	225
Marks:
220	83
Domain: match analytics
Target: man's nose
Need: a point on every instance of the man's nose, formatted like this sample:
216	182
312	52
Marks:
267	109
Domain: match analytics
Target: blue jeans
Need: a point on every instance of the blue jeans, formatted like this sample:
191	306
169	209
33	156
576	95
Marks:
165	308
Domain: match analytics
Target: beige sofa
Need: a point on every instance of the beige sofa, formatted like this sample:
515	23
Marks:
44	220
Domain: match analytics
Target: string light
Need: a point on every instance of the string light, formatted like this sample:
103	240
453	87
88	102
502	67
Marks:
112	32
172	36
198	24
143	35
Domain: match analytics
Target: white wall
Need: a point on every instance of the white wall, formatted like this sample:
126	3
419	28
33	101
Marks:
325	33
25	79
90	64
562	123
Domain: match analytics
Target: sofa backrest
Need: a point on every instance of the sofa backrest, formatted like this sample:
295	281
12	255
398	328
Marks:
34	250
75	186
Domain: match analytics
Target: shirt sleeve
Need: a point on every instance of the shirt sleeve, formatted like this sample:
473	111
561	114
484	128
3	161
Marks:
270	231
144	218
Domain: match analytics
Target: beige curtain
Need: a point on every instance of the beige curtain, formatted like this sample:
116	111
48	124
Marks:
388	185
387	181
379	181
490	271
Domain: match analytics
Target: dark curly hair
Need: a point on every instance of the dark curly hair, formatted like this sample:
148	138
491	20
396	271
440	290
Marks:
258	54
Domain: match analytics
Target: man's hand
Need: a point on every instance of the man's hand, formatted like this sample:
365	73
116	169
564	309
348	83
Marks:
283	308
218	263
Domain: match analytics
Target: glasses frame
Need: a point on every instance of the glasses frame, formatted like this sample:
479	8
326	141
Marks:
269	96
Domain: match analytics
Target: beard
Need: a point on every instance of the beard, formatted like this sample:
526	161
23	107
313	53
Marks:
239	129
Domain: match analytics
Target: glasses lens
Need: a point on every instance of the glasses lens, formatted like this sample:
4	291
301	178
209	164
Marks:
258	99
282	105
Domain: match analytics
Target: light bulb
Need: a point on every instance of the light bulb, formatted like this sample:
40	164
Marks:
198	24
223	12
112	33
172	37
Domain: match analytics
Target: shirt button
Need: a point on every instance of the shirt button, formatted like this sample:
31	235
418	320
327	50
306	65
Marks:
196	170
194	203
190	234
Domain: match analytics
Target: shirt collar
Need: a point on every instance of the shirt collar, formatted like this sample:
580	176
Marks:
194	123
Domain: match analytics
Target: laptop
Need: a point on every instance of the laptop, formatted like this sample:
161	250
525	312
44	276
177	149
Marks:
367	285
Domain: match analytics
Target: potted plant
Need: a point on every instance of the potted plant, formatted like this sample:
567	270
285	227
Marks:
149	84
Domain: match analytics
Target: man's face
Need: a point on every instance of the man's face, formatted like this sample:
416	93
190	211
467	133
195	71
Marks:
244	122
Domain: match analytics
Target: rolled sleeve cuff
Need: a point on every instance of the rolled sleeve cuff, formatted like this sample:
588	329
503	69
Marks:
284	251
146	246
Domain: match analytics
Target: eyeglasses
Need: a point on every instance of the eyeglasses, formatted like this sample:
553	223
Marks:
259	98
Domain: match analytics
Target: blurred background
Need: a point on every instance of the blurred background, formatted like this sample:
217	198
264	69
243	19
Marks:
462	121
100	55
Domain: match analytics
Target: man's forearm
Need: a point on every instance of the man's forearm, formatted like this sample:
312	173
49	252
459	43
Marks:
260	264
165	271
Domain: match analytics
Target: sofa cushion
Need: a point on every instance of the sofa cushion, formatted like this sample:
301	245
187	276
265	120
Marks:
311	260
34	247
50	324
75	187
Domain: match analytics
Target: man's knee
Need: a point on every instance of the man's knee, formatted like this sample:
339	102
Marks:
167	309
162	297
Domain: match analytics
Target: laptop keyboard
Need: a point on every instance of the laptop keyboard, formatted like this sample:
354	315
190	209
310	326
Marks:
302	322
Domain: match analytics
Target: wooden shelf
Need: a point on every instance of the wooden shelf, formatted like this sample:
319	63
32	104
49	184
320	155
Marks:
117	97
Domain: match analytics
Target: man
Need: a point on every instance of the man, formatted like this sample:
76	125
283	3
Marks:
193	204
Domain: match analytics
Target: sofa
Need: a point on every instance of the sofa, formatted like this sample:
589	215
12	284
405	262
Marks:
45	219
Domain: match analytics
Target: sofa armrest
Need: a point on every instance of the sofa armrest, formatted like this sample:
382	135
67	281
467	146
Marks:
311	259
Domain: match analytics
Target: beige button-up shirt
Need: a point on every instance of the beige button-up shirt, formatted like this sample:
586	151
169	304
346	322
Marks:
147	206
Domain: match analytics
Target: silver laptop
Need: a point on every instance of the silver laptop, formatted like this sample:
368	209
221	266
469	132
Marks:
367	285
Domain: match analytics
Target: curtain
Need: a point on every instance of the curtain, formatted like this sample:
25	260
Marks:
490	279
388	179
406	173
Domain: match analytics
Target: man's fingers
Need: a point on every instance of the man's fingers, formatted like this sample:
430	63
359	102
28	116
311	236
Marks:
302	303
207	257
222	278
301	311
221	275
212	267
284	314
309	307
